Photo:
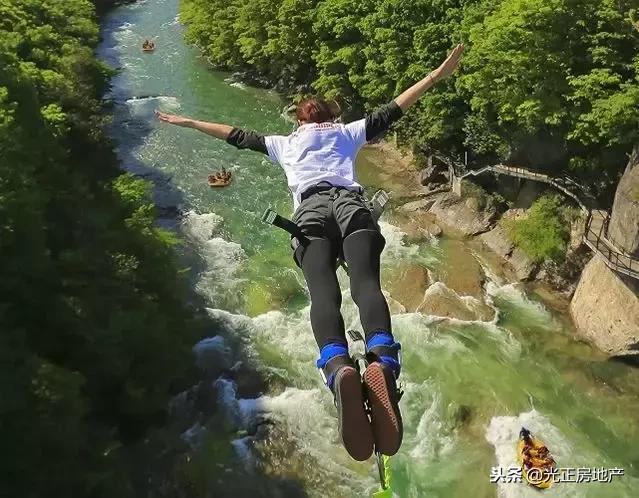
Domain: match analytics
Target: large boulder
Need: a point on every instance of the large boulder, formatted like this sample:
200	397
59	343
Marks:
418	205
498	241
464	215
606	310
524	267
577	226
418	225
441	301
623	230
212	356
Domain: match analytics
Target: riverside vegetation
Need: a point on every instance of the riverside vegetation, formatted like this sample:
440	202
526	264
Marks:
96	325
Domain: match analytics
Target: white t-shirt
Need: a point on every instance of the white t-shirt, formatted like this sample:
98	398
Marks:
318	152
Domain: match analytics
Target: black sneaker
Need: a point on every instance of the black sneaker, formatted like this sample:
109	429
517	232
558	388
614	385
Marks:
354	426
383	398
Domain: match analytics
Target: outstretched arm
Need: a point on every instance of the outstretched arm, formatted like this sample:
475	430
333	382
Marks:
412	95
236	137
381	120
216	130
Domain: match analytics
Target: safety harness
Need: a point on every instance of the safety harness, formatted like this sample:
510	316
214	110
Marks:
378	349
376	205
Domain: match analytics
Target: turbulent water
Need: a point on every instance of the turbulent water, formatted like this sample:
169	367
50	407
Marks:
470	383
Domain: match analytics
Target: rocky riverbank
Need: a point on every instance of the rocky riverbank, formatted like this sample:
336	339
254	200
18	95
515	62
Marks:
603	304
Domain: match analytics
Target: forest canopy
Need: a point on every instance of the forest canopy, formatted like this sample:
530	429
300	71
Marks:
547	84
95	329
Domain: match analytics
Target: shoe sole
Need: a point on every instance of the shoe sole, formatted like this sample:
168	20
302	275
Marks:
354	426
386	420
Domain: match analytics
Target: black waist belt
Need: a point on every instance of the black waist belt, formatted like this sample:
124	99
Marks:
323	188
376	205
273	218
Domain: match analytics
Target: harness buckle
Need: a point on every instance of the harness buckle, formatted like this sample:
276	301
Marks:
272	218
269	216
378	203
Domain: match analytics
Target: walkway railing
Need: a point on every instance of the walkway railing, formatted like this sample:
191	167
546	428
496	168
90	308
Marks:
596	226
595	238
560	183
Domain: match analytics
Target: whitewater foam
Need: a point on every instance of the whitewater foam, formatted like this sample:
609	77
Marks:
514	295
162	102
433	438
218	282
395	247
300	418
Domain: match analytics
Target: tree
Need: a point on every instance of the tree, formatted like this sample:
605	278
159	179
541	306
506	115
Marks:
91	297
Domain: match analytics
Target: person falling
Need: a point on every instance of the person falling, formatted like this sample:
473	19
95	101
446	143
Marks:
319	162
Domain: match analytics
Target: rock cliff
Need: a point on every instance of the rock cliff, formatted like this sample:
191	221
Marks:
624	222
605	307
606	310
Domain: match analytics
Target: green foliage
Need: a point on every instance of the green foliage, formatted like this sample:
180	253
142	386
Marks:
548	84
485	200
94	329
562	73
545	231
133	191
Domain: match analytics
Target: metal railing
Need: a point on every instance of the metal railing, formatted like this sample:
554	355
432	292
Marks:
560	183
596	240
614	259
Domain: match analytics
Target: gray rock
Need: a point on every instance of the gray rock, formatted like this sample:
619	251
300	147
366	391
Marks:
497	240
577	233
441	301
606	310
212	356
463	215
523	266
624	222
433	229
411	207
194	435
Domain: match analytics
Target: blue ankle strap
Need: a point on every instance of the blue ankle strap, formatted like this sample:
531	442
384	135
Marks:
383	338
327	353
330	351
386	341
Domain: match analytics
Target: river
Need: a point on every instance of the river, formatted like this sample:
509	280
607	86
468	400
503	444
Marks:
470	383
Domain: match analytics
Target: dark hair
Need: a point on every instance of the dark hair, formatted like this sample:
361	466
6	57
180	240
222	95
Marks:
316	111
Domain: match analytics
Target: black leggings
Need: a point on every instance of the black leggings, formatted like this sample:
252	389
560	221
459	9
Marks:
361	250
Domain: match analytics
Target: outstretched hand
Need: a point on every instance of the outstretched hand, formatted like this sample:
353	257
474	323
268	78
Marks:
172	119
450	64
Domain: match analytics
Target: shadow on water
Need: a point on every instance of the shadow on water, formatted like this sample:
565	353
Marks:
631	360
208	468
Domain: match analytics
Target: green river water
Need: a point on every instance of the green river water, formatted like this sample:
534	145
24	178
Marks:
470	384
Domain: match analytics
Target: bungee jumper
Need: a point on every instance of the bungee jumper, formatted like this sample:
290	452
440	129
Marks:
333	221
